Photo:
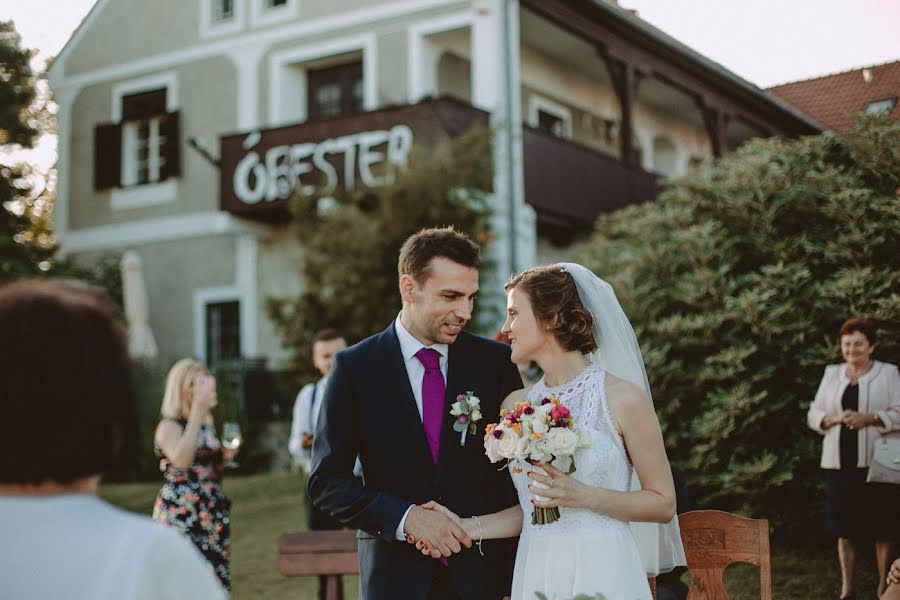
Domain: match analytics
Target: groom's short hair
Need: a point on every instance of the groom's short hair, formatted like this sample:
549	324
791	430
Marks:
439	242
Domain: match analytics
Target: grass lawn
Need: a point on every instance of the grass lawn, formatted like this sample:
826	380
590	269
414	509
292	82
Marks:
264	506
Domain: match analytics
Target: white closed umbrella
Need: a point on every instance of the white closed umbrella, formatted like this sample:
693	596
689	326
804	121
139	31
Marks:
141	345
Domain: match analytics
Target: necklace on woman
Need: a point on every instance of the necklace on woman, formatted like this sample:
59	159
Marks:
854	377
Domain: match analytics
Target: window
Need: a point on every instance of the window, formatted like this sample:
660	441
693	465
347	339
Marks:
549	116
143	137
552	124
223	10
143	148
223	332
335	91
885	105
273	12
222	17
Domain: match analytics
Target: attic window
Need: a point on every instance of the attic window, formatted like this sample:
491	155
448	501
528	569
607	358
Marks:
885	105
223	10
276	3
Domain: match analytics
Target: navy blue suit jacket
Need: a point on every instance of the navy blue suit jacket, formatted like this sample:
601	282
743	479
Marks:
369	410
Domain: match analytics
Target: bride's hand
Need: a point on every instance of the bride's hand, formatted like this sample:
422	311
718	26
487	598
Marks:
560	489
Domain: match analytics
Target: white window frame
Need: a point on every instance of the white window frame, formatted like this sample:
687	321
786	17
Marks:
538	103
214	295
150	194
210	29
421	68
129	176
262	15
281	80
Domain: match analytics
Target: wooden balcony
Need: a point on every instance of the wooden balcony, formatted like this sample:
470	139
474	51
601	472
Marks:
569	184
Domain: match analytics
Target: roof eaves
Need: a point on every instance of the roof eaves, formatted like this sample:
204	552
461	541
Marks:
660	36
52	70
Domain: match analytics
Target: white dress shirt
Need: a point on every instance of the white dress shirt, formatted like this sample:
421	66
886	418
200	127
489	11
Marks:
306	415
415	370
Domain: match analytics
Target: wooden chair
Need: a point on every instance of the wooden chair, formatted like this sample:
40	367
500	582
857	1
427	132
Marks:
713	540
328	553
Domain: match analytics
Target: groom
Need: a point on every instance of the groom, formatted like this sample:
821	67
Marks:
388	401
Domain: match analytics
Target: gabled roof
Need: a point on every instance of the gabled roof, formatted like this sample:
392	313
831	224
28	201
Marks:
834	99
52	69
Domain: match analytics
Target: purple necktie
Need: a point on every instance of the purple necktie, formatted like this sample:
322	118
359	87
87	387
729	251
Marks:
433	389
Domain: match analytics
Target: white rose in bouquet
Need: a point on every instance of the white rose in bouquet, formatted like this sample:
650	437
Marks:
539	426
563	441
523	446
492	449
508	444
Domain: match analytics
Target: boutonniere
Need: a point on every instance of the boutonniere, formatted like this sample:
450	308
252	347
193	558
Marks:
467	410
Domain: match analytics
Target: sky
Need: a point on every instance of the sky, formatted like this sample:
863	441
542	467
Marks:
764	41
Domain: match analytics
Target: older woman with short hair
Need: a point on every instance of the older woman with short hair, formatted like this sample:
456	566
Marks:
69	416
857	401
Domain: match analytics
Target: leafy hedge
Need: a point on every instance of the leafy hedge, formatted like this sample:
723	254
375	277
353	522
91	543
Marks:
737	279
349	264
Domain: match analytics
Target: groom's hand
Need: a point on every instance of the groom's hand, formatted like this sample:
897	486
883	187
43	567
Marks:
437	532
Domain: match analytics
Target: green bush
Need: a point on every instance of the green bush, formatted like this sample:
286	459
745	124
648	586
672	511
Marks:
737	279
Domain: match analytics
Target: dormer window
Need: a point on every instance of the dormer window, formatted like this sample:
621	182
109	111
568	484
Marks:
884	105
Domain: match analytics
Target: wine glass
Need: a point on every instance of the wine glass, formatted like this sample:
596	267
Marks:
231	439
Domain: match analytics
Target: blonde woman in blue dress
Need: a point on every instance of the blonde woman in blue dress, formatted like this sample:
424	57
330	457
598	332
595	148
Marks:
613	530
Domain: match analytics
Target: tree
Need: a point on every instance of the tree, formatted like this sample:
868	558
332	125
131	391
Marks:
349	264
737	279
21	116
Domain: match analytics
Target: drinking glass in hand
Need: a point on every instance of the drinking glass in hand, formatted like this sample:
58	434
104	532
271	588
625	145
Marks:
231	439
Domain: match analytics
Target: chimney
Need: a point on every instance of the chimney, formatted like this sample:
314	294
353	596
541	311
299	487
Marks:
867	75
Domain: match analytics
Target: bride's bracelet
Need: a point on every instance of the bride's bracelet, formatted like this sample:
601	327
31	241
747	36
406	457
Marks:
480	534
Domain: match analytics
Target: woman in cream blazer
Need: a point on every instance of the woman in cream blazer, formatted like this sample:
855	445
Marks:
857	402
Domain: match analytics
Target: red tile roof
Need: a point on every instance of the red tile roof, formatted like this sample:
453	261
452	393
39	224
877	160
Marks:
832	100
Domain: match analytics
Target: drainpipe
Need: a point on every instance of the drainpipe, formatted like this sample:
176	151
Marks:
508	83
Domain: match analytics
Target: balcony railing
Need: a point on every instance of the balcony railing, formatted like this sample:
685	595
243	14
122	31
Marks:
570	184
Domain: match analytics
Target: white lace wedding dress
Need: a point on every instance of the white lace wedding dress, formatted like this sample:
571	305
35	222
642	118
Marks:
584	552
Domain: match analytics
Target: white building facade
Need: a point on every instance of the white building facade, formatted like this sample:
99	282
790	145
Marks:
162	104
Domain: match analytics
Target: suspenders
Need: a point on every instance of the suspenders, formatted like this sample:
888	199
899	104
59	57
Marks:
312	405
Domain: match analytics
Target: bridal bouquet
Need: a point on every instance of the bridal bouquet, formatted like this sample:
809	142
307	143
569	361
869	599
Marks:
539	433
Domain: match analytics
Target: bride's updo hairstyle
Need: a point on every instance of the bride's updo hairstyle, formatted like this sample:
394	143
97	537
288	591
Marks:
556	305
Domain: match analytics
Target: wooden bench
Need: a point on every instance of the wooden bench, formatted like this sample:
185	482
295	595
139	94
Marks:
329	553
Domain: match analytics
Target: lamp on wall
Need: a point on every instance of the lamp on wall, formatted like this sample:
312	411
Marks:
199	145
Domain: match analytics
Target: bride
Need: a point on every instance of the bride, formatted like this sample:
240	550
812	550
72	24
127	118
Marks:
568	321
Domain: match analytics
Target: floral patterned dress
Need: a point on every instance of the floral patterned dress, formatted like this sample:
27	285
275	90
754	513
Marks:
192	500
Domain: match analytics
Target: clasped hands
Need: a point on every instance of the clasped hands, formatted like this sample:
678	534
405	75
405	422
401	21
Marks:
435	530
851	418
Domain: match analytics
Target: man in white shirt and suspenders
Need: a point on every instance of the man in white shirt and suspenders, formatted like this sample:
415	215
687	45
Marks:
326	344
